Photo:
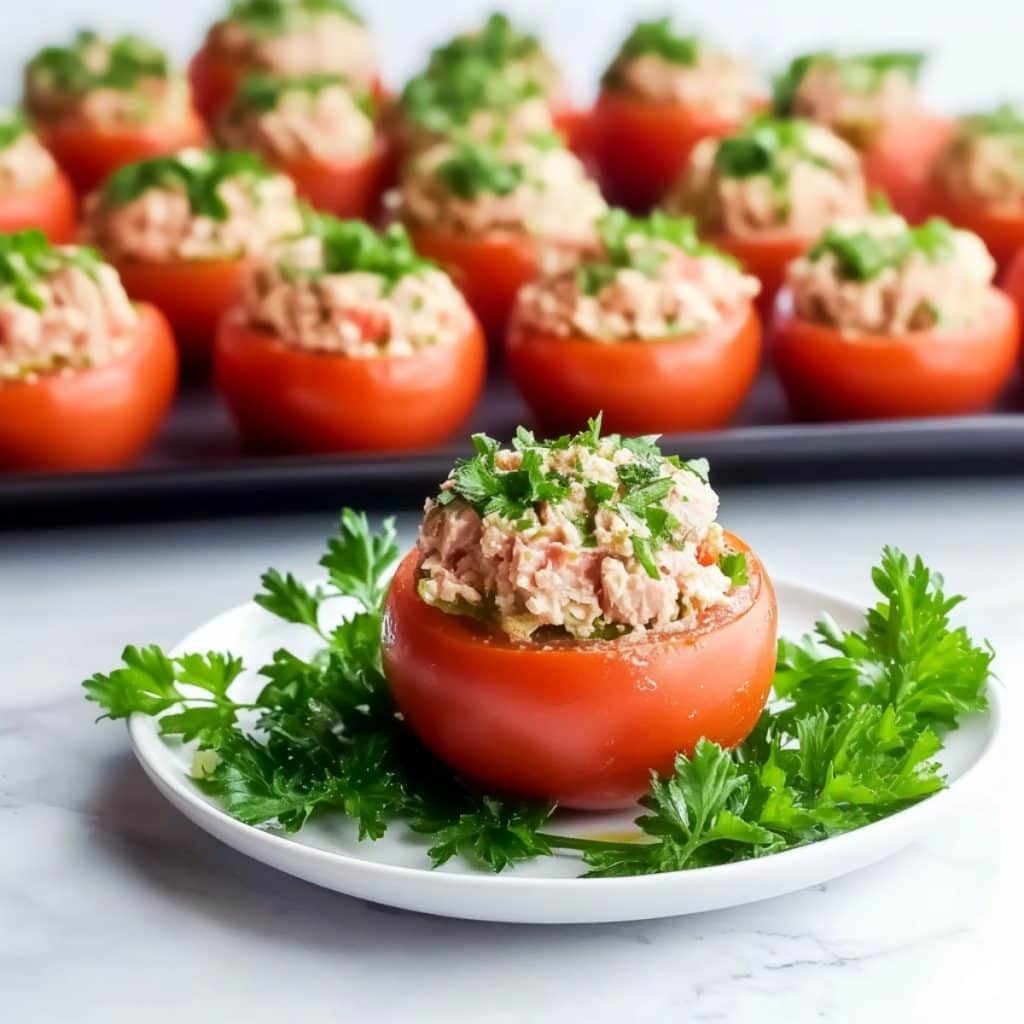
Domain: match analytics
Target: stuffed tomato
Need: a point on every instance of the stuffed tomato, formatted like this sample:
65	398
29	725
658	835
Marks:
347	341
872	101
880	320
574	616
657	332
662	94
98	104
289	38
85	377
34	192
493	217
764	194
184	230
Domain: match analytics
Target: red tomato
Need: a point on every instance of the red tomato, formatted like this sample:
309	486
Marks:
641	148
89	155
576	125
489	271
874	376
1013	283
1001	230
350	188
192	295
286	399
98	418
49	206
642	387
582	723
766	256
899	161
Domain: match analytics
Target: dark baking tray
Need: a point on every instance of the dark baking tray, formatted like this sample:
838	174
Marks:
196	468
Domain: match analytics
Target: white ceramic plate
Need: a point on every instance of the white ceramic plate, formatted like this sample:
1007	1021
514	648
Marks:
395	870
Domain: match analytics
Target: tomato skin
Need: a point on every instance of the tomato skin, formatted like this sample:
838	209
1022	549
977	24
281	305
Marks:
284	399
583	724
49	206
346	188
576	126
89	155
1002	231
642	387
765	256
98	418
1013	283
193	295
488	270
215	78
641	148
829	376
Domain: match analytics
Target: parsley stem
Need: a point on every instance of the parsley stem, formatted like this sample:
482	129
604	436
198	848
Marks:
584	845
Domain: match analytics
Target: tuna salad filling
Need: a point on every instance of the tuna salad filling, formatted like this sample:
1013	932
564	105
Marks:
24	163
585	537
659	65
346	290
984	163
314	117
105	82
880	276
61	309
537	188
297	37
855	96
652	280
775	175
194	205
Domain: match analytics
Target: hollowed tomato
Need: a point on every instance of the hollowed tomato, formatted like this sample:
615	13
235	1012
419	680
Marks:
1002	231
89	155
641	148
193	295
766	256
346	188
287	399
582	723
97	418
488	270
49	206
830	375
686	383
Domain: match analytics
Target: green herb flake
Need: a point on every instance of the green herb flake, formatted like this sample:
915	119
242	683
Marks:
278	17
72	70
654	38
476	169
27	259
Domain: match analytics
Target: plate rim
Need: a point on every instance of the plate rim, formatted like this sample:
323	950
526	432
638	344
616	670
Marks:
144	738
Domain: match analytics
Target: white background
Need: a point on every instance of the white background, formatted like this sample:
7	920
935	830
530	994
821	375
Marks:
976	44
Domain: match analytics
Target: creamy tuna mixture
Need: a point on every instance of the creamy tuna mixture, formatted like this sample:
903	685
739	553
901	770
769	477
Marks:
588	537
317	116
853	95
984	163
195	205
653	280
775	175
659	65
537	188
877	275
24	163
296	37
347	290
106	82
61	309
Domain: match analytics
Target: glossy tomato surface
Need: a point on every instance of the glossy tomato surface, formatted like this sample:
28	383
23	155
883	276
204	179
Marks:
829	375
581	723
576	126
348	189
215	78
49	206
766	256
286	399
192	295
489	271
98	418
89	155
641	148
687	383
1013	283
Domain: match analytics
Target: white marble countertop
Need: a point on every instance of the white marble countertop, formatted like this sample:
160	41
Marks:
114	908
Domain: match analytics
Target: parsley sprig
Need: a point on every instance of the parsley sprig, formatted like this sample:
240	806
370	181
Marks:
850	738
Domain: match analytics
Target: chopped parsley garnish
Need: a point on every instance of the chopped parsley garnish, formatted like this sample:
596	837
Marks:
275	17
734	565
850	738
263	93
862	73
498	43
476	169
13	125
765	146
73	70
863	255
198	173
1004	120
352	245
657	38
27	258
